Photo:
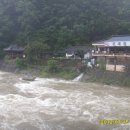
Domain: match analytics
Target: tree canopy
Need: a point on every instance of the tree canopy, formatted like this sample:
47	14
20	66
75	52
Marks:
62	23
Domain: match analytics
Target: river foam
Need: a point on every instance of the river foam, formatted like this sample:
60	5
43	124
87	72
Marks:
52	104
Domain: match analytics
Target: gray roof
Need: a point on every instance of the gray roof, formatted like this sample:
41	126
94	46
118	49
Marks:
114	39
76	48
119	38
14	48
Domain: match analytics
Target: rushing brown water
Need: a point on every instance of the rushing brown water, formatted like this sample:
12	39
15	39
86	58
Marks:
51	104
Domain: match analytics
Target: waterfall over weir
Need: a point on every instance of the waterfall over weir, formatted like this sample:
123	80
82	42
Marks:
79	77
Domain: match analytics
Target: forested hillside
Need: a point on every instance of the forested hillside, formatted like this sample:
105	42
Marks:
61	23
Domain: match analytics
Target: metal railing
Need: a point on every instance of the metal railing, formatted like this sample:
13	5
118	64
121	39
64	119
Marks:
111	54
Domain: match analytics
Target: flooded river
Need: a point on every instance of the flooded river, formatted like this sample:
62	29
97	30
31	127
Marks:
51	104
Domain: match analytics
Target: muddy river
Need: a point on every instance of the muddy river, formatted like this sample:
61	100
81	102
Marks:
52	104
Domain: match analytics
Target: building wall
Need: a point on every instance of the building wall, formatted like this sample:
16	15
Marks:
100	59
113	64
119	68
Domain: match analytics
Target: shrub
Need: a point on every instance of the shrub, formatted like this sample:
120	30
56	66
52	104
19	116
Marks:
108	81
53	66
21	63
127	68
126	81
7	59
68	74
44	72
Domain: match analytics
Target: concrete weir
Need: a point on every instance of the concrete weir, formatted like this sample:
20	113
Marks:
79	77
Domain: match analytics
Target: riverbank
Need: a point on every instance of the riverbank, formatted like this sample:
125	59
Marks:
63	69
67	69
107	77
94	76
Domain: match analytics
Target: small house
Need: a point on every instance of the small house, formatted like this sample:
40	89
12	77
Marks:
73	52
14	51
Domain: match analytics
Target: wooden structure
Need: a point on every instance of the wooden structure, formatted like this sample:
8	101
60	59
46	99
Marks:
15	51
115	51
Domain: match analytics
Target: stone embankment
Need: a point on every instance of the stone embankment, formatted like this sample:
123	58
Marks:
9	67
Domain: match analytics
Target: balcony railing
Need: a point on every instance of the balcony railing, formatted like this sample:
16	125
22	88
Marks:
111	54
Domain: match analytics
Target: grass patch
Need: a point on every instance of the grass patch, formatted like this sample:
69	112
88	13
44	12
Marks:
67	74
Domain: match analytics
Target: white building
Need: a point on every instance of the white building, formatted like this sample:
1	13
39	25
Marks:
115	51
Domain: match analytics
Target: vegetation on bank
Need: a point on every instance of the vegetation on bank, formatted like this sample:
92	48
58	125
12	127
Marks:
70	68
53	67
63	68
107	77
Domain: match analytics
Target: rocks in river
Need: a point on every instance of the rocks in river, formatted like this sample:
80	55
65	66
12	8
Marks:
29	78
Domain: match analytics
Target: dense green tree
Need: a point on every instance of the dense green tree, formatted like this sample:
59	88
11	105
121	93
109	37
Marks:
62	23
34	51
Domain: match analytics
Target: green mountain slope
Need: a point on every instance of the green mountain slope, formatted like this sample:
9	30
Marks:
62	23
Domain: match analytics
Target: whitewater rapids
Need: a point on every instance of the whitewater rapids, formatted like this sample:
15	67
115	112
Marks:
52	104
